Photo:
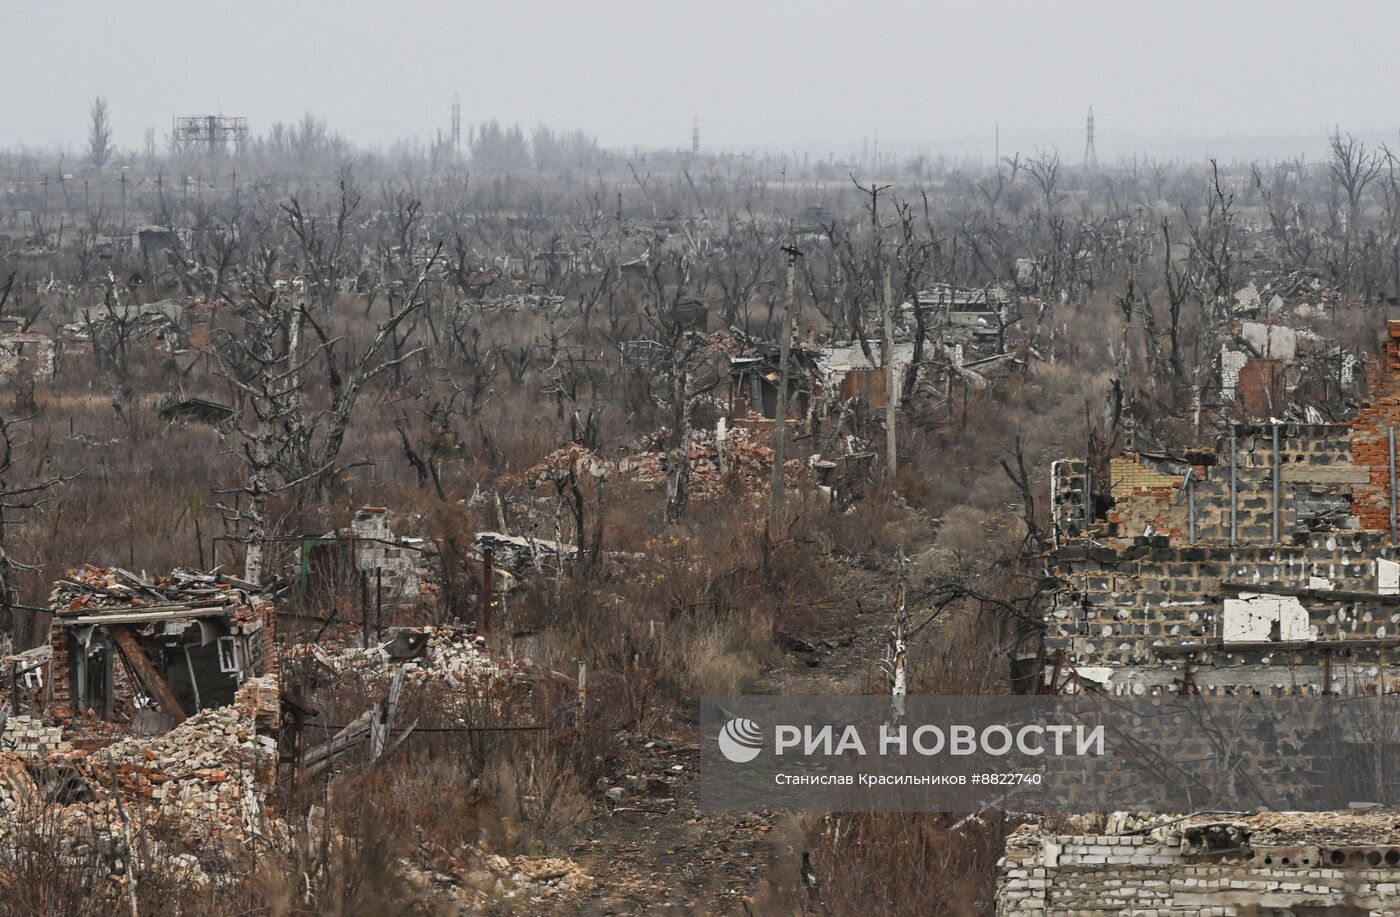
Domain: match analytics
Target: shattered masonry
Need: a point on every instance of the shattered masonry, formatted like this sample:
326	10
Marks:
161	698
1274	863
1266	565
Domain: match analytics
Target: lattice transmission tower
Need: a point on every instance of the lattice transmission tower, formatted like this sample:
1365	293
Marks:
1091	156
211	131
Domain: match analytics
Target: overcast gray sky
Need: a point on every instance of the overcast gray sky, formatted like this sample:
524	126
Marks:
791	74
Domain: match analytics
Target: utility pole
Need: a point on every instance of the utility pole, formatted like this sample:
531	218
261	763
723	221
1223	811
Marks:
891	384
775	496
882	279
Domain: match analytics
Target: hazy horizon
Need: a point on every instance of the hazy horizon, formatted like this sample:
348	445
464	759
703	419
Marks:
1180	78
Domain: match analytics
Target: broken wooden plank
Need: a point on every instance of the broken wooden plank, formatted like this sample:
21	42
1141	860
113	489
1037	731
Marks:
377	734
392	705
317	759
141	615
399	741
147	672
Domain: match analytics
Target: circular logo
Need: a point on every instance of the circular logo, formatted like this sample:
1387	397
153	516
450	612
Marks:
740	740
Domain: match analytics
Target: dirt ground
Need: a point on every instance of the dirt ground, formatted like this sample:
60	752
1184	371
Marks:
657	853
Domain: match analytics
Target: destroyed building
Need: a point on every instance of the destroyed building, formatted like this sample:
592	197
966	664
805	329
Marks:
756	379
1281	353
161	328
388	568
839	370
1264	566
153	695
1342	864
25	353
969	323
188	641
1267	563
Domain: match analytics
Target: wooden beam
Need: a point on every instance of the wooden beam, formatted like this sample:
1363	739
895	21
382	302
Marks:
146	671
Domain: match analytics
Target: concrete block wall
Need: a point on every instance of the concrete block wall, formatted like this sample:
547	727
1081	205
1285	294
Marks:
1045	875
1341	467
385	558
1319	480
1315	468
1119	608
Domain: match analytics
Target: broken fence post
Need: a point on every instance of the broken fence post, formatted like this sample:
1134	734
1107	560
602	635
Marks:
582	689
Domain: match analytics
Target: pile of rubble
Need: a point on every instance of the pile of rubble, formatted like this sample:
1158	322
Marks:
27	735
207	778
715	456
479	879
208	775
523	302
447	656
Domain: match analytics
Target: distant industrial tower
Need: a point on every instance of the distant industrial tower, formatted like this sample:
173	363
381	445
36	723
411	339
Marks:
1091	156
456	123
695	137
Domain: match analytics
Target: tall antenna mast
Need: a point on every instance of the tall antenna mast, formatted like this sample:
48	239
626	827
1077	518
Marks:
456	124
695	137
1091	156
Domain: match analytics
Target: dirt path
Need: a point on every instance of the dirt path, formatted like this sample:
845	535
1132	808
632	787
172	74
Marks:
657	853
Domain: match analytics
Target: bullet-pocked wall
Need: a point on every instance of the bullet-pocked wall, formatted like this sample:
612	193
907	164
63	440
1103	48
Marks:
1265	565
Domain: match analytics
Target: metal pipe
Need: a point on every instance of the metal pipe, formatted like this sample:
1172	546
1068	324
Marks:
1391	437
1277	488
1190	508
1233	494
1088	497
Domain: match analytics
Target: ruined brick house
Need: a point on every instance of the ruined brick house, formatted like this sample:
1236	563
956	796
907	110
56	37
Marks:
840	370
188	641
1266	565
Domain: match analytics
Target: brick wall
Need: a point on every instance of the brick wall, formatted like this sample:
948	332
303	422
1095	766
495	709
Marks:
1161	875
1370	435
60	667
1144	496
29	736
